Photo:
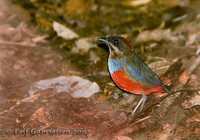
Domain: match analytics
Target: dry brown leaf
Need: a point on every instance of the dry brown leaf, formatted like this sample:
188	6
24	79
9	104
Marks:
195	118
31	99
194	101
64	32
166	133
76	86
185	76
42	116
122	138
82	45
172	74
160	66
94	57
157	35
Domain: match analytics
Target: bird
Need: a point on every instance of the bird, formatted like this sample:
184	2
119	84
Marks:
129	71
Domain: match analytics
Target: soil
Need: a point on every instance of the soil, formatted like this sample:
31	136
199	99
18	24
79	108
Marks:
26	57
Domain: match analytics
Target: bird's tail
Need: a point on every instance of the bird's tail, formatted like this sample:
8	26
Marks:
186	89
166	89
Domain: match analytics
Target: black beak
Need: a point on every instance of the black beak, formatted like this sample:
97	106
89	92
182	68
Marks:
103	40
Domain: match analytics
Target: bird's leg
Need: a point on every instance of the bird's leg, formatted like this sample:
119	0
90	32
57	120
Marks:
144	99
140	103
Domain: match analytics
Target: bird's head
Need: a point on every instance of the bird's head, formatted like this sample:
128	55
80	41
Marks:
117	45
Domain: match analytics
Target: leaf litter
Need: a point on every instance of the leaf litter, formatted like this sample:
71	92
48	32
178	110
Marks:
22	68
47	109
81	44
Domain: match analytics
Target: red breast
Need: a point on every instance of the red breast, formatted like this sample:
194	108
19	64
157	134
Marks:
131	86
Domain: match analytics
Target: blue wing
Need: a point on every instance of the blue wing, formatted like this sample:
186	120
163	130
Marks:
139	71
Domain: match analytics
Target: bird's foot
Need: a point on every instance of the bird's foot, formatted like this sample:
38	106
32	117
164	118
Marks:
144	99
140	104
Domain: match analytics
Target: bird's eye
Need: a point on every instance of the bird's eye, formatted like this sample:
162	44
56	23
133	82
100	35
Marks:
116	41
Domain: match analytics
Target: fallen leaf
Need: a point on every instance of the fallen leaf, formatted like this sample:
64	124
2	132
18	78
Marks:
94	57
40	39
160	66
194	101
18	121
185	76
157	35
166	133
76	86
122	138
172	74
82	45
194	65
64	32
42	116
31	99
195	118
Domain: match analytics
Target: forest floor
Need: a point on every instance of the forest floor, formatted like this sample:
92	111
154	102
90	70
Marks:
26	57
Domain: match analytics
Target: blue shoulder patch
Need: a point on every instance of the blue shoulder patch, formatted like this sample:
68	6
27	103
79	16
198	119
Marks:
114	65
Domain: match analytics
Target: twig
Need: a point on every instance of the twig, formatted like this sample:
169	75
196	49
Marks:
141	120
194	65
17	43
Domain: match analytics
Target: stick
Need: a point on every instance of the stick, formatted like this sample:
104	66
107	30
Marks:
17	43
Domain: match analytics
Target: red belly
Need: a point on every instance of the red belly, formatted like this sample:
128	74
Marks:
123	82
